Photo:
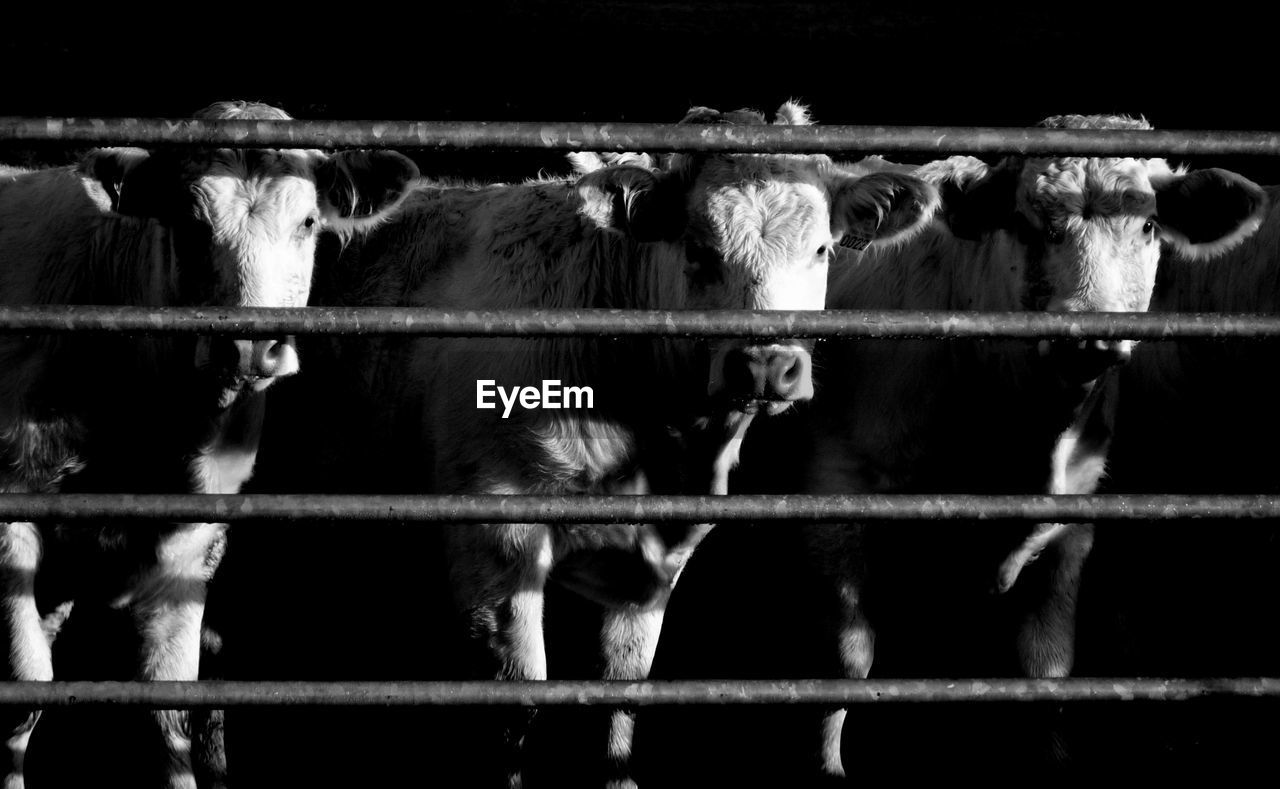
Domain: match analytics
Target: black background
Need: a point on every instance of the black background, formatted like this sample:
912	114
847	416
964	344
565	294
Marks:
905	62
881	63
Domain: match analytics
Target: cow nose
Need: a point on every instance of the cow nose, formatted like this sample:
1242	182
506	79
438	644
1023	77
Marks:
772	373
788	374
269	358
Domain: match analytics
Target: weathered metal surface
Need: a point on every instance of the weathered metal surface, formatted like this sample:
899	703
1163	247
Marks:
632	509
187	695
937	140
248	321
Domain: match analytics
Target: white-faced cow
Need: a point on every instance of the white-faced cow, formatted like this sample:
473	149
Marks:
1192	599
115	414
708	232
985	416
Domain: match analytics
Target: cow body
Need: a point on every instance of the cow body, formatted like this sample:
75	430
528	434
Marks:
959	416
109	414
710	232
1192	599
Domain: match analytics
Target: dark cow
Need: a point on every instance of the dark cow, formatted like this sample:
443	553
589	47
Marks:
1192	599
1058	234
95	414
707	232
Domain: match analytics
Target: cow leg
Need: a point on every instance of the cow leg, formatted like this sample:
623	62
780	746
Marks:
167	607
499	576
170	631
28	653
629	639
1046	634
836	554
855	643
207	725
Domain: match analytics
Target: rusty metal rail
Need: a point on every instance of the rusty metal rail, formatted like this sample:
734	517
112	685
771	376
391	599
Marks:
634	509
634	323
463	135
190	695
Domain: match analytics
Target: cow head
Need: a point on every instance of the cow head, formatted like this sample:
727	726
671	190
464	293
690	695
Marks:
1092	228
244	225
750	231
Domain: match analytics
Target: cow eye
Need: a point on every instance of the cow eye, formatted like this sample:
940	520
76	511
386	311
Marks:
1149	226
824	250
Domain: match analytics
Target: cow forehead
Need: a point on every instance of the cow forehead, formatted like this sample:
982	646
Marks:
236	185
1070	186
766	224
256	163
759	210
727	170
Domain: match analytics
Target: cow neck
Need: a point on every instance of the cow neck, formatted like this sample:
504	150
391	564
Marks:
1036	287
994	391
144	391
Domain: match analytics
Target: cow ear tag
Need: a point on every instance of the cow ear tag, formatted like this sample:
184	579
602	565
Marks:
855	241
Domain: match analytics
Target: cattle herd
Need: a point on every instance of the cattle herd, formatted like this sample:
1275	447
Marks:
399	415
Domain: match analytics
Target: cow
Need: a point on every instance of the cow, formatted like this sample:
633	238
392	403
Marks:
1061	234
706	232
1191	599
214	227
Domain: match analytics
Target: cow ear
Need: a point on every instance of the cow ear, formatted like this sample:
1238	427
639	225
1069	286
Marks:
358	190
976	198
1207	212
584	162
793	113
635	201
110	167
880	208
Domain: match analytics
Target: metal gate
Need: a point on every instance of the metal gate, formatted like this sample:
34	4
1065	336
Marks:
610	323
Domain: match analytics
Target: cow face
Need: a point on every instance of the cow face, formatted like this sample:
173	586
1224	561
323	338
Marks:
755	232
244	226
1093	228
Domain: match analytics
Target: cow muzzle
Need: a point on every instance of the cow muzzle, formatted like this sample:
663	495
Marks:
263	360
253	362
776	375
1087	359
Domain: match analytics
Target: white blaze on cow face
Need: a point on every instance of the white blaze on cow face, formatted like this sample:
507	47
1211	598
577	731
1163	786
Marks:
761	236
765	245
263	220
754	232
1098	222
245	223
264	227
1090	231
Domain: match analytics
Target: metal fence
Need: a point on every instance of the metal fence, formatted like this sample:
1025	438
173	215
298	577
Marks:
614	323
654	138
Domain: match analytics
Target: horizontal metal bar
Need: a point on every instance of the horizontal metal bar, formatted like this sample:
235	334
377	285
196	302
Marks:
632	509
634	323
188	695
936	140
